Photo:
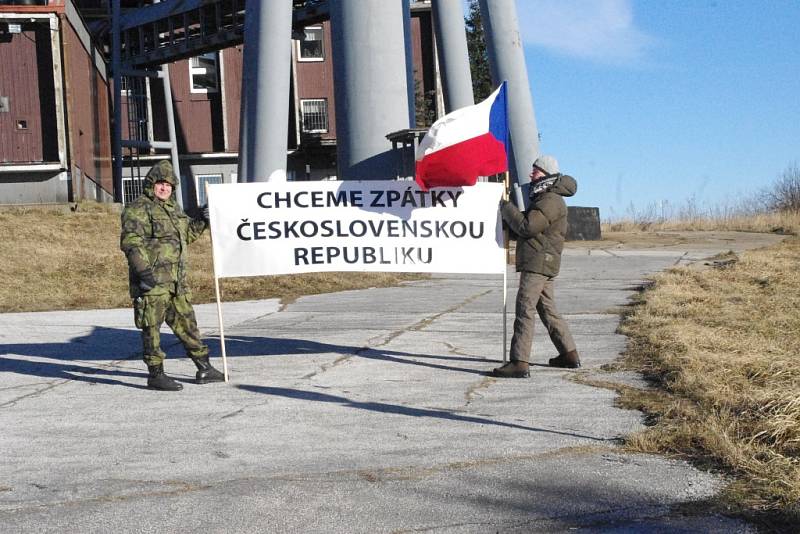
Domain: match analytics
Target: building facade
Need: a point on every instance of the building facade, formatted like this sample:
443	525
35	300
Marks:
55	135
54	106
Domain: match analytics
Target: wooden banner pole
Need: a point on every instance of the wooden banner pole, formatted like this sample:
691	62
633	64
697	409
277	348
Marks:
221	328
219	302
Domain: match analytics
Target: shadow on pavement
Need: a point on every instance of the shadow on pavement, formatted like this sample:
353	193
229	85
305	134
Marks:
116	344
238	346
67	372
382	407
103	344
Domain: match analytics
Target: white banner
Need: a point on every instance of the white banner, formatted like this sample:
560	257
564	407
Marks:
268	228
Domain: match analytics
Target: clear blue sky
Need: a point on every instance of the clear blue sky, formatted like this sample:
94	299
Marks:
647	101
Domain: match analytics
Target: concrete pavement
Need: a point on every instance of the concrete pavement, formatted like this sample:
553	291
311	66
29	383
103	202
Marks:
360	411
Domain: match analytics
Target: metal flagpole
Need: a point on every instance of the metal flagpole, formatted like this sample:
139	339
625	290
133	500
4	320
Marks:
219	303
506	183
505	274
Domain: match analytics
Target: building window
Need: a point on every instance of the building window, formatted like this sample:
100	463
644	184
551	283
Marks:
125	86
131	189
203	73
314	115
202	180
311	46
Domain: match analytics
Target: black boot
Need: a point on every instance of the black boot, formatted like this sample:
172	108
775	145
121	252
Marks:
158	380
206	373
513	369
569	360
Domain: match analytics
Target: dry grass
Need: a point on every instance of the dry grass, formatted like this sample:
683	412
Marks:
55	258
786	222
724	347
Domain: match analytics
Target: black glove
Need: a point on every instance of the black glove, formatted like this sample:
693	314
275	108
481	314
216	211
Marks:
204	213
147	280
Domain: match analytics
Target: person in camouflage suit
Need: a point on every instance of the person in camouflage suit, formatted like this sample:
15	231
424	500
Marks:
155	234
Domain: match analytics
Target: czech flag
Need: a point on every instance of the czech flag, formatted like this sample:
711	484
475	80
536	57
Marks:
465	144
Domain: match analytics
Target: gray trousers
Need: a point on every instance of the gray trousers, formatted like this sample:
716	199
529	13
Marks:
536	294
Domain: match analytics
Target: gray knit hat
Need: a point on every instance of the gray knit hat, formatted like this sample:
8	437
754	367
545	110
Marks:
548	164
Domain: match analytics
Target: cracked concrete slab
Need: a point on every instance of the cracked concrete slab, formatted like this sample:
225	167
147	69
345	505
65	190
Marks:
360	411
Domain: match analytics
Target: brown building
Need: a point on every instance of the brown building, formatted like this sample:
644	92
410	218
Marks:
55	117
55	143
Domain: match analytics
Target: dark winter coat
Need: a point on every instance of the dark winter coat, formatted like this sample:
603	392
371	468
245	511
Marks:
155	234
540	231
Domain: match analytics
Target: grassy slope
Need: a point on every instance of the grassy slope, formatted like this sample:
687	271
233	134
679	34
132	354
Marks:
58	259
777	222
723	346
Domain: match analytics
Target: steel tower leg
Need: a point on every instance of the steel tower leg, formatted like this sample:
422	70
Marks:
507	62
241	171
410	88
267	67
451	36
370	85
116	70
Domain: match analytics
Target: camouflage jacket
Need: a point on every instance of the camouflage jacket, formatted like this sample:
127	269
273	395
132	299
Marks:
540	231
155	234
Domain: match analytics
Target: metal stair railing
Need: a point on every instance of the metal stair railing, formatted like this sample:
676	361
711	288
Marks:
178	29
135	94
160	33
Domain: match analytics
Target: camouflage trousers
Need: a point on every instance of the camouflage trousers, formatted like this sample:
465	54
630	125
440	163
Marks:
150	312
536	296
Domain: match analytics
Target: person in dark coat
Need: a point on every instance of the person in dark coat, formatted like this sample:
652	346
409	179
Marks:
540	233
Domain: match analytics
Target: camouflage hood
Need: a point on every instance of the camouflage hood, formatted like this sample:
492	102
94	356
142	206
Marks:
160	172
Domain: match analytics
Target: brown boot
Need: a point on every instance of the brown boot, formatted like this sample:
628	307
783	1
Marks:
513	369
570	360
